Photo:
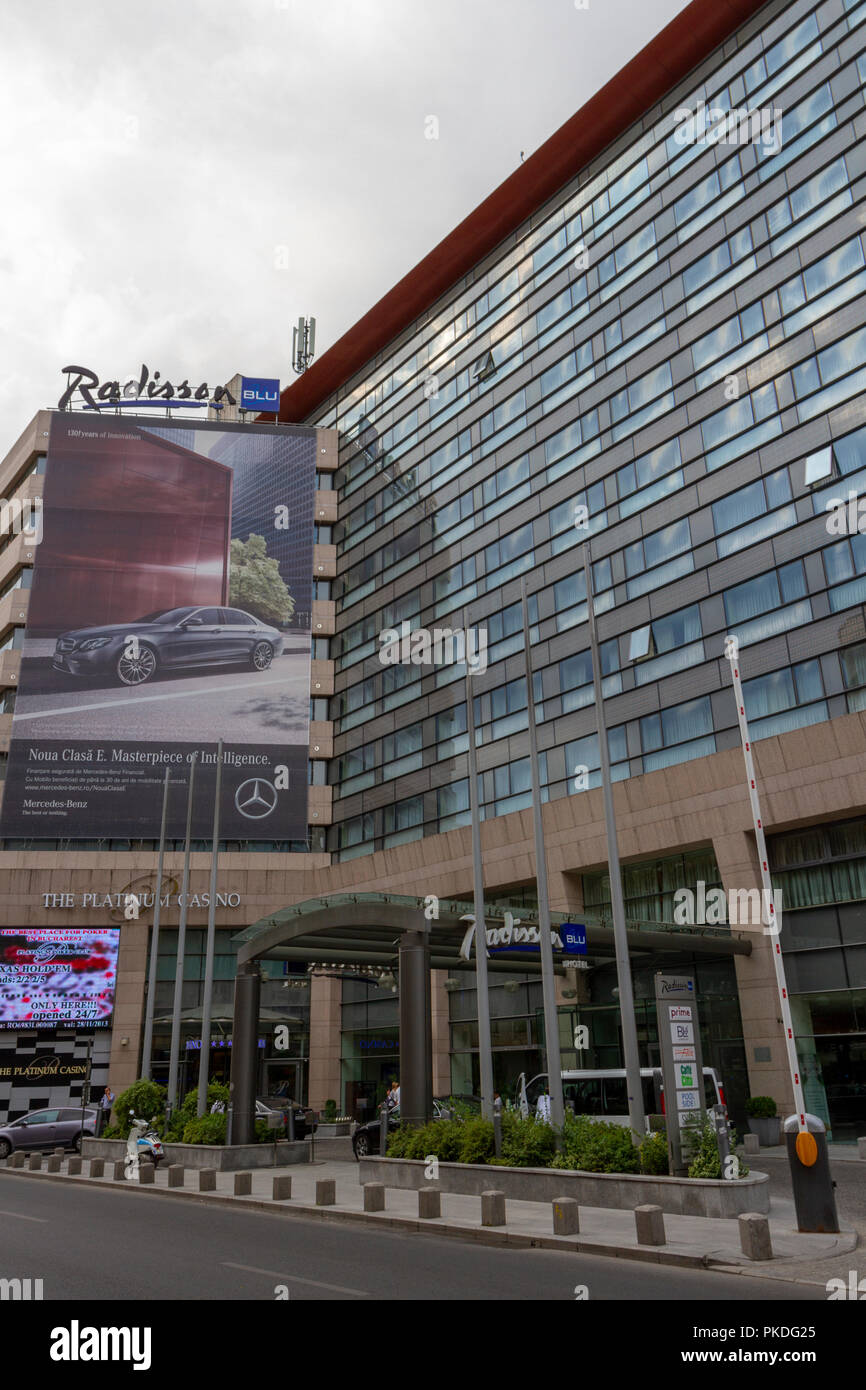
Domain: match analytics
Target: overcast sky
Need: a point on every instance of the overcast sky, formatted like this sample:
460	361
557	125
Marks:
183	179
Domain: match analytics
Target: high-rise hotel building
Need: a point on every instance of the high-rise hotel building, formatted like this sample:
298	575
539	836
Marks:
650	340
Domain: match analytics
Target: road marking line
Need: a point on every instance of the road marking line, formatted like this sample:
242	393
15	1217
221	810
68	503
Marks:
20	1217
145	699
296	1279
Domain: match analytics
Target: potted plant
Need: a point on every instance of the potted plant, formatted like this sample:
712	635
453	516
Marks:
764	1121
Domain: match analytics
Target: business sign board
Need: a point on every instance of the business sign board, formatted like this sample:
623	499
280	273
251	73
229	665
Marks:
173	558
52	977
682	1066
260	393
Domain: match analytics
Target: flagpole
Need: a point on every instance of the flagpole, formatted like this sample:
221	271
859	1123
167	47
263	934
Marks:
181	942
485	1046
204	1056
147	1046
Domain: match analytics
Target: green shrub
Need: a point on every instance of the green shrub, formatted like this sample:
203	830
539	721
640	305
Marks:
476	1140
145	1098
592	1146
761	1107
207	1129
527	1143
111	1132
330	1111
654	1155
398	1142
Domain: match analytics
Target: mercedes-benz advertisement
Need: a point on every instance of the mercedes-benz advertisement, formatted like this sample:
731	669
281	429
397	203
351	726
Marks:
170	609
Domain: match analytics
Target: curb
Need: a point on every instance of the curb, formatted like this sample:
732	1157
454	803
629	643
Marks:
482	1235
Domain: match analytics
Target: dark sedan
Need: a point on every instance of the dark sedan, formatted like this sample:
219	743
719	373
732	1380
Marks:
47	1129
365	1140
305	1122
169	640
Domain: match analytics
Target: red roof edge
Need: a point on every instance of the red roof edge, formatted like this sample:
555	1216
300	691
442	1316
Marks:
689	38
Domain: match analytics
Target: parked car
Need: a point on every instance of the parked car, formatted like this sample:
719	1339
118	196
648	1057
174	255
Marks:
305	1122
48	1129
365	1140
168	640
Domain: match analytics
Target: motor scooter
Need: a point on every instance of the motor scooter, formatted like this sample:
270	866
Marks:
143	1143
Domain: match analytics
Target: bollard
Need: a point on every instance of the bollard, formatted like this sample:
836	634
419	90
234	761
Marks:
59	1153
18	1159
97	1167
383	1131
429	1203
175	1175
74	1166
146	1172
861	1148
374	1196
650	1225
566	1216
207	1179
243	1184
493	1208
811	1179
118	1170
282	1187
755	1240
751	1143
34	1163
326	1192
53	1164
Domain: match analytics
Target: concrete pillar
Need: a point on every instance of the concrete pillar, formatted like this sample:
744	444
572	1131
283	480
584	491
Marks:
325	1081
59	1153
650	1225
861	1148
245	1053
429	1203
440	1033
53	1164
207	1179
751	1143
566	1216
18	1159
282	1187
755	1240
416	1047
326	1192
34	1163
374	1196
146	1173
175	1175
117	1170
493	1208
243	1184
97	1167
74	1166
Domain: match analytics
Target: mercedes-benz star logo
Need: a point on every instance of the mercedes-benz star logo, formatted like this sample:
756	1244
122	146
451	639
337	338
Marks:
256	798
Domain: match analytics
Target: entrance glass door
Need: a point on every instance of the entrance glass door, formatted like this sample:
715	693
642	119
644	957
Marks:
843	1066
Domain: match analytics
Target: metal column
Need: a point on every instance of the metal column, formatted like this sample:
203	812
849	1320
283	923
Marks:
482	992
416	1038
245	1028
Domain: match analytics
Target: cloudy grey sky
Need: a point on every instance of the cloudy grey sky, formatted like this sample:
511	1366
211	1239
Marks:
183	179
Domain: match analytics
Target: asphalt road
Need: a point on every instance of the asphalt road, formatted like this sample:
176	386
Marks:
259	707
106	1245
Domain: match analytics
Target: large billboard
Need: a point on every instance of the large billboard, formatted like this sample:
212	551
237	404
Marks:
54	977
170	608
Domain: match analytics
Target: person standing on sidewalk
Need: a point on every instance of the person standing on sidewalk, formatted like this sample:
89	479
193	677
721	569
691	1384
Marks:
105	1108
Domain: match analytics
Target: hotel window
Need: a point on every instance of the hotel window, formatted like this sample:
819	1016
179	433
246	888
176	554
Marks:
779	595
823	286
789	699
505	488
353	772
320	709
401	752
668	644
708	199
722	267
853	661
803	125
400	685
583	753
629	334
818	200
838	369
454	520
627	261
496	300
569	447
509	788
7	702
753	513
741	426
452	805
845	566
321	649
781	54
569	595
676	735
505	630
508	557
451	735
649	478
503	711
562	313
502	423
354	705
564	530
451	459
567	376
404	821
659	558
352	838
729	346
648	397
455	586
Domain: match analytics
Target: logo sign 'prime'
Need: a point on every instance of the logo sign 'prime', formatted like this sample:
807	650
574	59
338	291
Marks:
260	393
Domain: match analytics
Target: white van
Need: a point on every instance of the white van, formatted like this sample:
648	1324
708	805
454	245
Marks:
603	1094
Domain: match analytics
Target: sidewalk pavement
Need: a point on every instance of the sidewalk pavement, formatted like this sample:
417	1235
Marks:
695	1241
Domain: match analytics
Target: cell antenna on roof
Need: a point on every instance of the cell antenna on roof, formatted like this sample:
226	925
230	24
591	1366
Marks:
303	344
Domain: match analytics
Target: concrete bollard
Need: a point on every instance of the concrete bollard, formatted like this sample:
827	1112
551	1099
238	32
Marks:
751	1143
650	1225
566	1216
18	1159
861	1148
53	1164
146	1172
207	1179
326	1192
374	1196
755	1240
282	1187
175	1175
34	1163
97	1167
74	1166
429	1203
59	1153
493	1208
243	1185
118	1170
